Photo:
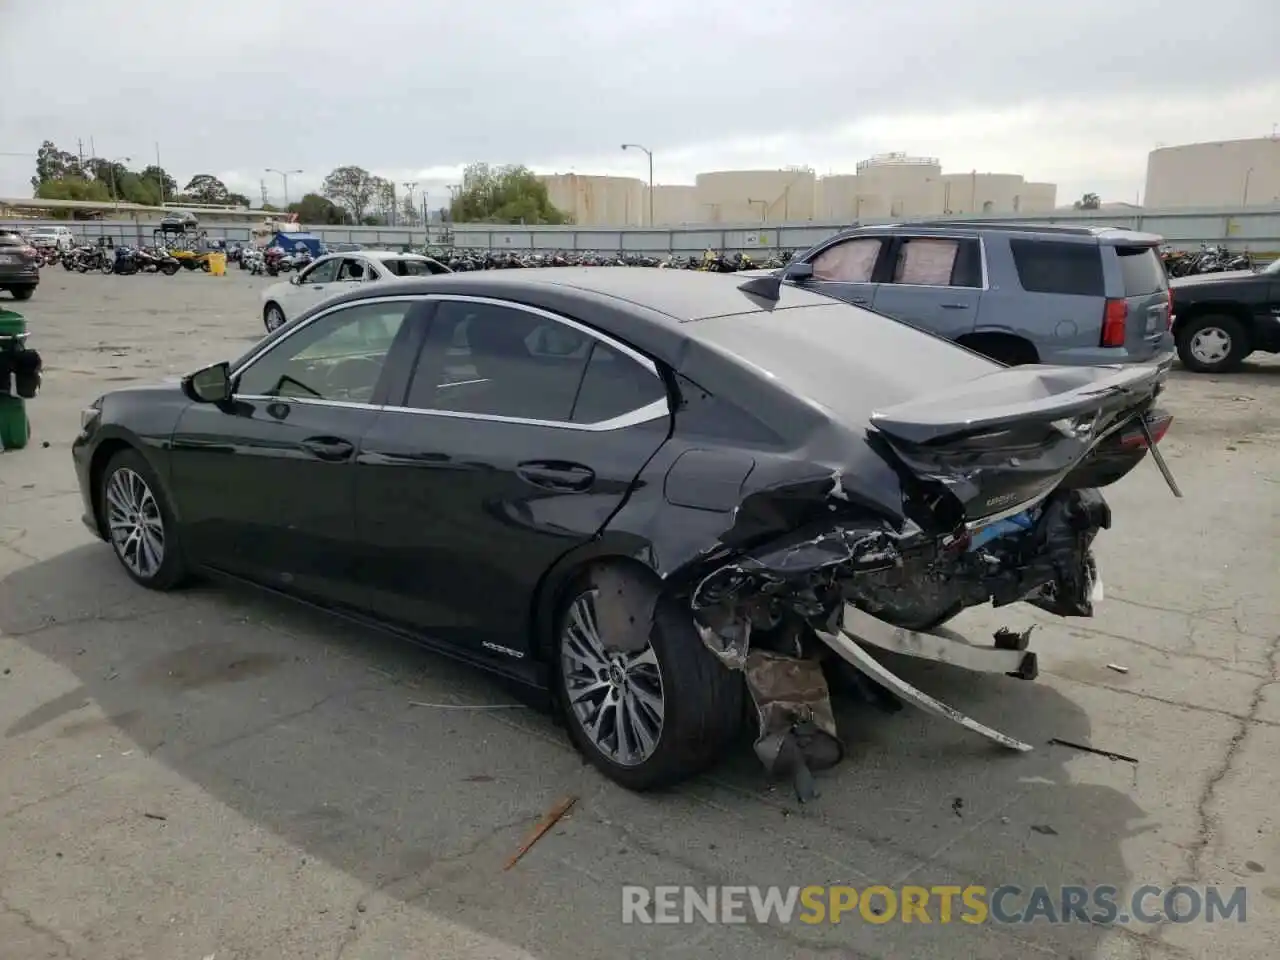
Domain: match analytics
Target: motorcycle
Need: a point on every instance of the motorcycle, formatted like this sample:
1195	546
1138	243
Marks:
156	261
276	261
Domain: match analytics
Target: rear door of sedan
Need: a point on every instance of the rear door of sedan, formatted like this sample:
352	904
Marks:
517	436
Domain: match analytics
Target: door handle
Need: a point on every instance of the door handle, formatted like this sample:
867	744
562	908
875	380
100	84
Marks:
955	306
859	301
556	475
334	449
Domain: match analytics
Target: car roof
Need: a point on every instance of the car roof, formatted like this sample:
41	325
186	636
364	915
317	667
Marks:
1104	234
387	254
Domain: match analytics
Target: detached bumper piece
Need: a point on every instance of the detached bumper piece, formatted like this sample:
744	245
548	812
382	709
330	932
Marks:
860	628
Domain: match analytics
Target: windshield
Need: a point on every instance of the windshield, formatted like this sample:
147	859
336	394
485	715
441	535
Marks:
412	268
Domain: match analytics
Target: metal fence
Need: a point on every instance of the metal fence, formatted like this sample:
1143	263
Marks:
1256	229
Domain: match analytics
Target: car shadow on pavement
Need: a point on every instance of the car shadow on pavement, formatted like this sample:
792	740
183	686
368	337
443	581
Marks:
308	727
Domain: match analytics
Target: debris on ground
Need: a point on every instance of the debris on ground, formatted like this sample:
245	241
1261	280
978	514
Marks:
1110	755
155	816
1045	829
549	820
1117	668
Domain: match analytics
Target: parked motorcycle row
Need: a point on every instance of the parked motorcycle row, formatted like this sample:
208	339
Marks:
462	261
270	262
1213	258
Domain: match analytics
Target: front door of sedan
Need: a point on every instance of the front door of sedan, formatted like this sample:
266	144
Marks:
314	284
520	435
265	484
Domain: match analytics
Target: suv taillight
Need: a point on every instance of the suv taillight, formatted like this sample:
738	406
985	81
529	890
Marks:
1113	320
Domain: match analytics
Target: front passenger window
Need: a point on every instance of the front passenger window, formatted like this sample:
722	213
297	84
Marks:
336	357
853	261
323	272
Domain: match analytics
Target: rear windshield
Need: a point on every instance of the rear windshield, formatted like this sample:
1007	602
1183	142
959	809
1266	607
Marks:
1051	266
412	268
1142	271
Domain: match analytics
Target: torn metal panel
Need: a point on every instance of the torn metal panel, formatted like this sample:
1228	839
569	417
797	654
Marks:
624	608
863	661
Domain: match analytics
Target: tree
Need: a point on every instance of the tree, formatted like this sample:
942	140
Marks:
409	212
1090	201
383	202
205	188
511	194
54	164
72	188
315	209
158	176
352	187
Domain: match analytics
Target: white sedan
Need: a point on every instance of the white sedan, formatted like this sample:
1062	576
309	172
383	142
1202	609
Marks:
333	274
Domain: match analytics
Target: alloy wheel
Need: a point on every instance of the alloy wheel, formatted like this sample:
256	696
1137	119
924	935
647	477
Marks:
1211	345
275	318
616	695
134	523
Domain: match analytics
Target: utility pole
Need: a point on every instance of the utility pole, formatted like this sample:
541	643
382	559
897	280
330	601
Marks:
284	176
411	186
394	201
80	151
160	169
649	154
262	186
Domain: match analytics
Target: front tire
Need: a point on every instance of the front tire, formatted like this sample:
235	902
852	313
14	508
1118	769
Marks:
273	317
1213	344
648	718
139	523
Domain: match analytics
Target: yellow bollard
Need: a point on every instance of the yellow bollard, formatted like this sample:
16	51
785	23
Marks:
218	264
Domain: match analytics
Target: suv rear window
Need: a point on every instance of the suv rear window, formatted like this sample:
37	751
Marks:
1142	271
1050	266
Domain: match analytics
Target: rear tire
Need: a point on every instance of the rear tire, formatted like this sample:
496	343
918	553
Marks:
138	522
22	293
273	318
169	269
1213	344
608	696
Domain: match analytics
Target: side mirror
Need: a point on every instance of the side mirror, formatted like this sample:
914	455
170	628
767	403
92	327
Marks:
798	272
210	385
296	279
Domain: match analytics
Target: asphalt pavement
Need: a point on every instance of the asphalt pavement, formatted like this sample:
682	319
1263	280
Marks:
218	775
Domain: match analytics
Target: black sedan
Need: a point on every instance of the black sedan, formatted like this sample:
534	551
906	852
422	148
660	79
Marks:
620	485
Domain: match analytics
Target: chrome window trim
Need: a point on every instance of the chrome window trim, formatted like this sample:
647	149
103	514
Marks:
652	411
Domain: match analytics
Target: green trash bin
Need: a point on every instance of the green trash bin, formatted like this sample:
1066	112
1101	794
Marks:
19	380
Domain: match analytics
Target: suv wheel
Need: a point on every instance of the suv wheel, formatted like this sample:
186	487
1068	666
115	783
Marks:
1213	344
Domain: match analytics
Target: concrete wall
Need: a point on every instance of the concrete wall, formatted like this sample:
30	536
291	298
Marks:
1222	173
1256	229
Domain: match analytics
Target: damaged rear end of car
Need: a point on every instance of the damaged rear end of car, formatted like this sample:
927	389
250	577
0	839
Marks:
984	491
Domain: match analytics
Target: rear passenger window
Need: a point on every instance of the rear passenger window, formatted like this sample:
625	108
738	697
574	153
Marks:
614	384
853	261
938	262
1142	271
499	361
1050	266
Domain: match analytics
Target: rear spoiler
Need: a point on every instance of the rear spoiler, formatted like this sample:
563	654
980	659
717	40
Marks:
1016	395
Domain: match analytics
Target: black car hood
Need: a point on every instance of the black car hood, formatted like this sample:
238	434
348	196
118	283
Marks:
1198	279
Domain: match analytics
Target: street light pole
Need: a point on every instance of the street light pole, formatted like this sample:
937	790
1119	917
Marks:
412	187
649	154
284	175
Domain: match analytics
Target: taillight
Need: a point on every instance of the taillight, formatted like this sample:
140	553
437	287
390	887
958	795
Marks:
1113	320
1157	425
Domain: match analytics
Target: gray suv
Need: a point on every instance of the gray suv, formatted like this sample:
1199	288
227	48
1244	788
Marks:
1016	292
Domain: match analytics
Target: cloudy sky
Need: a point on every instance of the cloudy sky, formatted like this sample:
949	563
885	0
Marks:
1075	93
